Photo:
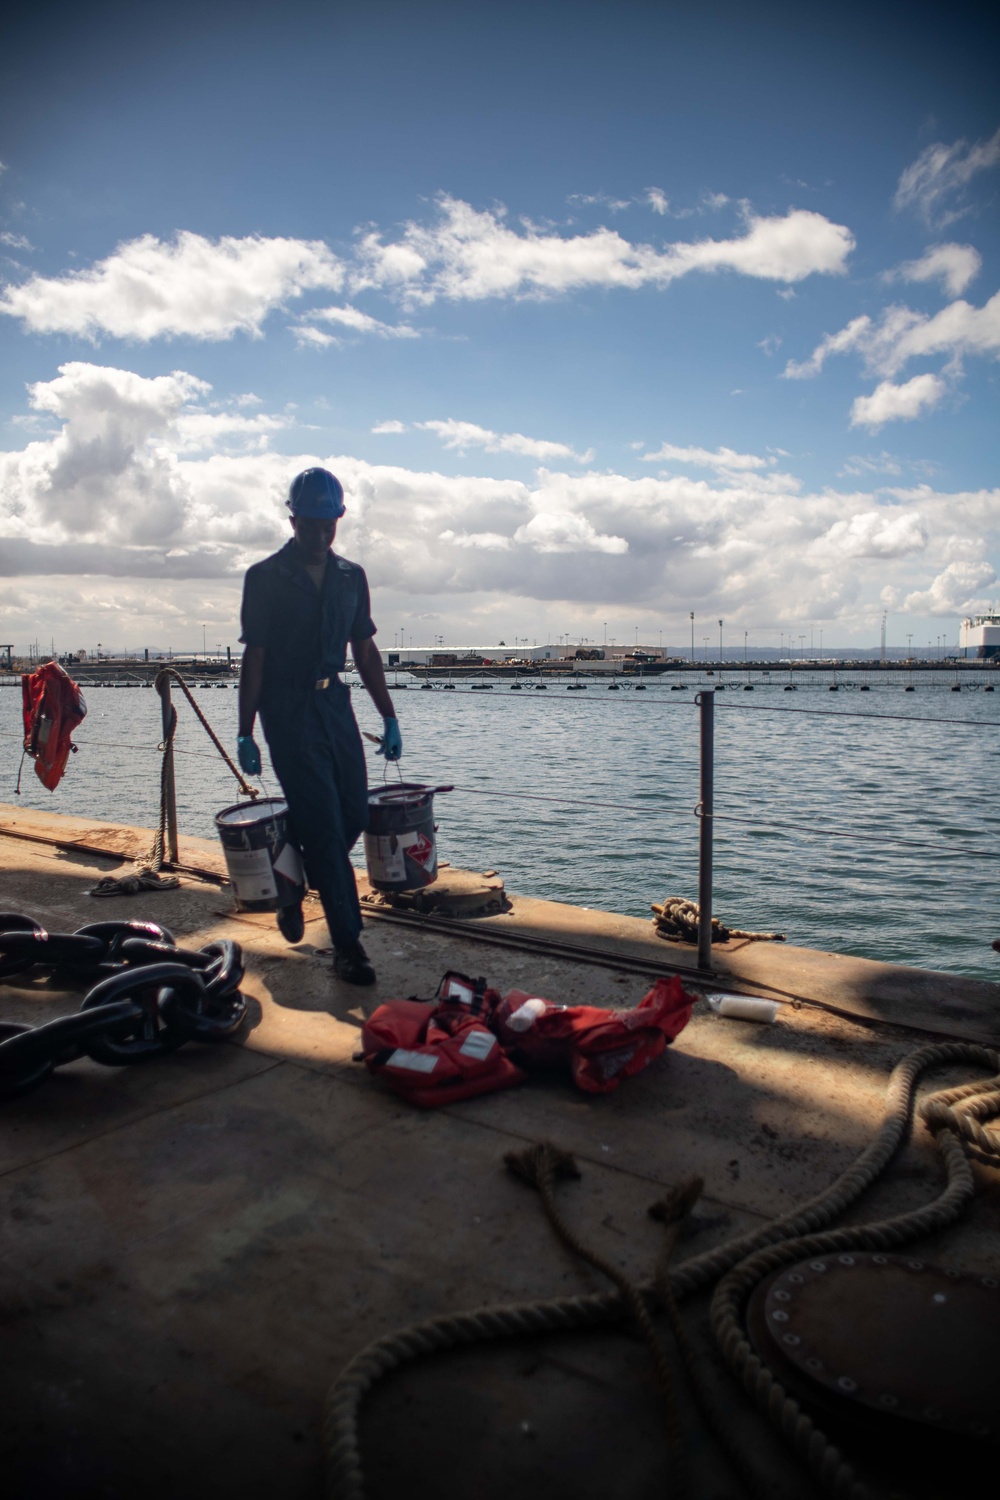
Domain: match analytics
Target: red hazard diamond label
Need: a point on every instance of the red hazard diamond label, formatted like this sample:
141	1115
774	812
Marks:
421	851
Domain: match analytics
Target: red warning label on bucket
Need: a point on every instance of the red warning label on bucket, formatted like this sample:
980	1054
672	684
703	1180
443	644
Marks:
421	850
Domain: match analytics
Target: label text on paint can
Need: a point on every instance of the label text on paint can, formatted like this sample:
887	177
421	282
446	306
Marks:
385	857
251	873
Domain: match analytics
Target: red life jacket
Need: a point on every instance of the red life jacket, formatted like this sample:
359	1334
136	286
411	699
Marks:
53	708
435	1053
600	1047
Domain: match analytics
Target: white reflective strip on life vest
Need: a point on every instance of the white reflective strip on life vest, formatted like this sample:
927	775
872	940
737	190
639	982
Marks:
478	1044
455	990
417	1062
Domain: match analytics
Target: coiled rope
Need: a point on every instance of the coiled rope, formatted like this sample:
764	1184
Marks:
678	918
954	1118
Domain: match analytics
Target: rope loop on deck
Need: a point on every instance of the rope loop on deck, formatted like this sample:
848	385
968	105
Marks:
953	1117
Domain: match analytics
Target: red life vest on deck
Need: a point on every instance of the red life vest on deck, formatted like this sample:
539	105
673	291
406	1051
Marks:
600	1047
53	708
435	1053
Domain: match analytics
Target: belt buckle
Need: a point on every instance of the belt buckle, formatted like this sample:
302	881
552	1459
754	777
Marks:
322	683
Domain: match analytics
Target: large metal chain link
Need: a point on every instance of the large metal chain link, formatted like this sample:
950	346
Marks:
150	997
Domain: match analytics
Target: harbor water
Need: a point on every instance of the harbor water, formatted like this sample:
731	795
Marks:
860	822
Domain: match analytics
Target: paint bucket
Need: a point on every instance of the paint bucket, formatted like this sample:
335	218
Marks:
400	850
264	864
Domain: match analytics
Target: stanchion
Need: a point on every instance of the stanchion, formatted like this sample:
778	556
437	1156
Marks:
169	790
706	708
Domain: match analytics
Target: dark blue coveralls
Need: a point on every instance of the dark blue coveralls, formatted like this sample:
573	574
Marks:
311	731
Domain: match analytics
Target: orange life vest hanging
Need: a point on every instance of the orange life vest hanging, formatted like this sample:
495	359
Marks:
53	708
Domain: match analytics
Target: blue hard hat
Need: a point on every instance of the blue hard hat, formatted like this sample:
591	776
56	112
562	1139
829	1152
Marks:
316	493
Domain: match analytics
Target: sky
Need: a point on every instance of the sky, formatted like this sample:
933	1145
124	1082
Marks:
602	313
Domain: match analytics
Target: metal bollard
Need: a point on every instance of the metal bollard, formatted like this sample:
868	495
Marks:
706	707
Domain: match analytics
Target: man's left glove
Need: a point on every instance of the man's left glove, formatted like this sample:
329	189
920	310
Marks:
392	741
248	754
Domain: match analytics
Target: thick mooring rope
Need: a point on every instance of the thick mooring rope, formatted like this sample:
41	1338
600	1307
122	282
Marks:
678	918
954	1118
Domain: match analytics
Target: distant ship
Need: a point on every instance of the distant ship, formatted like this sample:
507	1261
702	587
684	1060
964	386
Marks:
980	634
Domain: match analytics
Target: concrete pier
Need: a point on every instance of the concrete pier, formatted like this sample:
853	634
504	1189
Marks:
192	1249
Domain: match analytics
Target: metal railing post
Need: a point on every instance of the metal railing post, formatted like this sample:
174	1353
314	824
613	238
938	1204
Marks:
706	706
169	790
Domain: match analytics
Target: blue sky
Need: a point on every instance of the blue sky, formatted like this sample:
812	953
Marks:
602	313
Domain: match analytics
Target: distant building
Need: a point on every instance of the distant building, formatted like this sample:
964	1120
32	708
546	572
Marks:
469	656
979	635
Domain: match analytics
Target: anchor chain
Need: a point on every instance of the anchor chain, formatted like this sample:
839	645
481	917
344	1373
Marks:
149	999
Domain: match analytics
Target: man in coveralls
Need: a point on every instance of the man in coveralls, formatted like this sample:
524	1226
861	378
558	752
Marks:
301	607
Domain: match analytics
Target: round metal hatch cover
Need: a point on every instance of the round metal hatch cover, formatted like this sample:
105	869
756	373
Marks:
891	1332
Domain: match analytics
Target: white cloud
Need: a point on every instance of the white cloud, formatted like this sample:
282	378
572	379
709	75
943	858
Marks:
565	531
942	173
199	431
15	241
898	403
590	200
859	464
657	200
723	460
469	254
955	266
390	426
900	334
115	473
150	481
958	589
308	337
487	541
958	329
874	533
463	435
357	321
151	288
831	343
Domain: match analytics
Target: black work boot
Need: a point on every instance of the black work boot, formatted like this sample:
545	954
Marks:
352	964
291	923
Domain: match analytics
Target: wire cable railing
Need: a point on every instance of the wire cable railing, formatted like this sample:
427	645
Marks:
877	832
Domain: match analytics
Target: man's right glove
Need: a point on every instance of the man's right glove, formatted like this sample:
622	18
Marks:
392	740
248	754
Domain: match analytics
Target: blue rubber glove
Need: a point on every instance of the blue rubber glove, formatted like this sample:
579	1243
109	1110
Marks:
248	754
392	741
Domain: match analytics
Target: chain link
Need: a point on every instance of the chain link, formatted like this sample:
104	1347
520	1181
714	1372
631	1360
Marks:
149	999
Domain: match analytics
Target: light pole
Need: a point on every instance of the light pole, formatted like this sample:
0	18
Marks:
720	643
204	648
745	634
692	636
705	643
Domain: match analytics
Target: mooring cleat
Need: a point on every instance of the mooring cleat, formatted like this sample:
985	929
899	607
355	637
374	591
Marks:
352	964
